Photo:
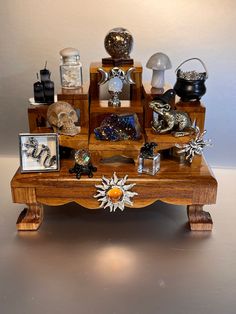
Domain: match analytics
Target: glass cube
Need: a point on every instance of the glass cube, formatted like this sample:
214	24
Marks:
150	165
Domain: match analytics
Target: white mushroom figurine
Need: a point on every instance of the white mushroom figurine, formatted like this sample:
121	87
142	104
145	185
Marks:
159	62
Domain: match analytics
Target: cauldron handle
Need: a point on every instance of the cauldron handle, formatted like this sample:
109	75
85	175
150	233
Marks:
203	64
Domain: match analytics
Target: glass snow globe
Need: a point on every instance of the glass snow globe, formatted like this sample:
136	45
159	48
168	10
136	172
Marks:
119	43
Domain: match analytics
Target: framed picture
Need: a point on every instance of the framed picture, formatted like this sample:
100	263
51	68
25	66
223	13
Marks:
39	152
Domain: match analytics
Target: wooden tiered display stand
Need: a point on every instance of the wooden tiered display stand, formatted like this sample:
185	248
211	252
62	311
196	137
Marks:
181	184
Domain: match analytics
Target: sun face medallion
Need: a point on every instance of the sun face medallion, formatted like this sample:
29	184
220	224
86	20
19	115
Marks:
115	193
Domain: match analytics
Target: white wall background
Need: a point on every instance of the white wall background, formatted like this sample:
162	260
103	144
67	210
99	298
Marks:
34	31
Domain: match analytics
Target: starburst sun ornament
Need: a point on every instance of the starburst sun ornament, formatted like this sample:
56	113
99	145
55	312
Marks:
115	193
195	146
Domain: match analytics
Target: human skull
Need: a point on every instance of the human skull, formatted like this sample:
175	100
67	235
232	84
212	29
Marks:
62	117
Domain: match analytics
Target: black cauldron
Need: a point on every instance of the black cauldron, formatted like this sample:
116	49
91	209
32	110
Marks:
190	85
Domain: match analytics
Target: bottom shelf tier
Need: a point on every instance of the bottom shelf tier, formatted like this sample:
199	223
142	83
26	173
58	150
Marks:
193	185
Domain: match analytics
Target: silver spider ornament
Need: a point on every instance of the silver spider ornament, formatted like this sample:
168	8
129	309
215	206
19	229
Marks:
195	146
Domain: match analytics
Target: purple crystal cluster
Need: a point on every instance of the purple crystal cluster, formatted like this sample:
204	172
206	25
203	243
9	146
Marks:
118	128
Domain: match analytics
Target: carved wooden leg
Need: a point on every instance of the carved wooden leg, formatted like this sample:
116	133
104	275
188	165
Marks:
199	220
30	218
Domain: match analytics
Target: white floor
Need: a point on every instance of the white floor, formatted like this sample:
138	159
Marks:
139	261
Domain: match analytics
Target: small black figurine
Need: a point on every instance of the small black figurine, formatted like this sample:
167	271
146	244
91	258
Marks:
83	164
147	150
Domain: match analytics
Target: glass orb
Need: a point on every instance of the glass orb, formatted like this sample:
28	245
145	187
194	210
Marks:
115	85
82	157
119	43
